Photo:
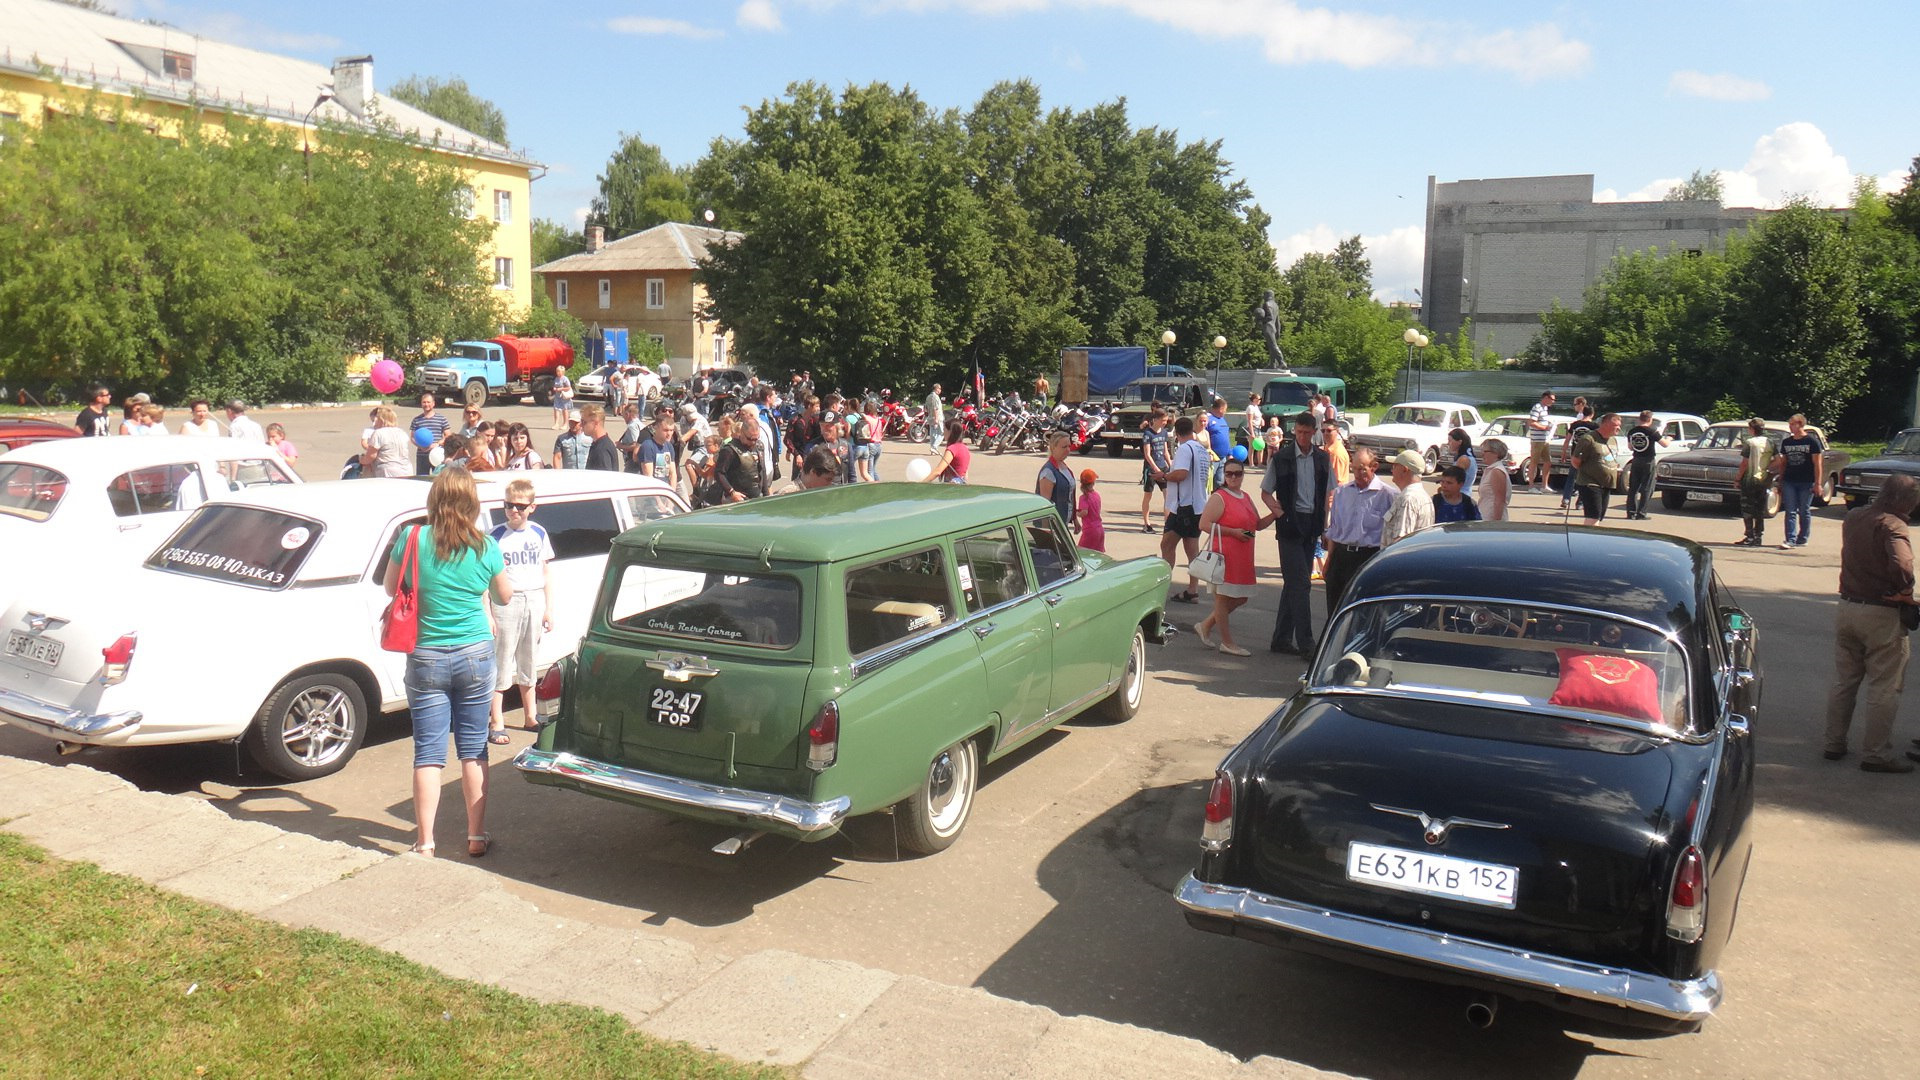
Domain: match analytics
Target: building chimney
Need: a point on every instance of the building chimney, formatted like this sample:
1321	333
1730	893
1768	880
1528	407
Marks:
353	84
596	236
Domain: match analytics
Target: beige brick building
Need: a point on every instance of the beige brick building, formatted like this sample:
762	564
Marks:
644	284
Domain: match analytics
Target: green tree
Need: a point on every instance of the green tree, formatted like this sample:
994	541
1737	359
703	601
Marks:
639	190
1904	205
1355	269
552	240
452	101
1702	186
1889	258
1794	317
1357	340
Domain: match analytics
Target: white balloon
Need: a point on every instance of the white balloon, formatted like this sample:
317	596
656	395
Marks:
437	456
919	469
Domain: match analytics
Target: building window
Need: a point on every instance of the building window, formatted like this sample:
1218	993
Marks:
560	294
656	292
719	352
503	206
503	273
463	200
177	65
606	293
658	339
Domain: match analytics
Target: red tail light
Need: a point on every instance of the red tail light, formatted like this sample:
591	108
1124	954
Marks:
1687	902
1218	832
118	657
823	738
546	692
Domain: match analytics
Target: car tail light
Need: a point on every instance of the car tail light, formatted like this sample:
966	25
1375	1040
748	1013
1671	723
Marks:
823	738
118	657
1687	902
546	692
1218	832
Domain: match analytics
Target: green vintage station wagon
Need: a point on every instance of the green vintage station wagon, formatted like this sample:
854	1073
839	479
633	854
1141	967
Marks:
784	664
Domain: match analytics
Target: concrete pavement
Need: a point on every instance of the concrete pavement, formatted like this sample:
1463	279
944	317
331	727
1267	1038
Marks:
828	1018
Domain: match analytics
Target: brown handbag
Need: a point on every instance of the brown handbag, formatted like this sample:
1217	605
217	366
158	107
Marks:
400	623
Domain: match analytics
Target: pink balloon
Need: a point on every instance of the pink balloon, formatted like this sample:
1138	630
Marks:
387	376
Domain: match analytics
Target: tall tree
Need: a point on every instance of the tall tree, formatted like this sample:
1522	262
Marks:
1794	317
1702	186
1889	259
639	190
1351	263
552	240
452	101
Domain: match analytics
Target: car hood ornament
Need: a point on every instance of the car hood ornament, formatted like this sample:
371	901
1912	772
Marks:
1434	830
38	621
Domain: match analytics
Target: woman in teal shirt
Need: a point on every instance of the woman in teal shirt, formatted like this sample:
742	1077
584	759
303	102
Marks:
450	671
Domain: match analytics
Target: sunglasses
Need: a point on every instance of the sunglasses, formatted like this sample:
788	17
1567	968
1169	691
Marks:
1231	473
522	507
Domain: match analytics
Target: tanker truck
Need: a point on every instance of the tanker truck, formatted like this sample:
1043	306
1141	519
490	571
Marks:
506	367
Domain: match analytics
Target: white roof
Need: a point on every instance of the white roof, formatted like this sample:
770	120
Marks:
118	453
1443	406
91	48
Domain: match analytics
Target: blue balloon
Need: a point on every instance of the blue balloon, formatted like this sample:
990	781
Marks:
1239	453
423	437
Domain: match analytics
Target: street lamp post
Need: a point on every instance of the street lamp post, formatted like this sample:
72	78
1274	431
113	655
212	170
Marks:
1416	385
1219	347
1167	339
306	149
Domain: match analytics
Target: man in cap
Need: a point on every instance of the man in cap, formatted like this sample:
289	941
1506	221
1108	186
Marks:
570	449
1412	507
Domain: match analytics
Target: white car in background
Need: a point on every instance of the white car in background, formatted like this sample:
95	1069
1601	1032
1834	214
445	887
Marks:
95	503
259	619
1684	429
1512	432
1419	426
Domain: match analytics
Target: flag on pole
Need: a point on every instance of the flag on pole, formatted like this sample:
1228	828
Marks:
979	385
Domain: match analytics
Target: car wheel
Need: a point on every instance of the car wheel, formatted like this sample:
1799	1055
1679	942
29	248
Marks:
1113	447
1827	490
310	726
931	820
1773	500
1124	702
1433	459
1673	500
543	393
475	394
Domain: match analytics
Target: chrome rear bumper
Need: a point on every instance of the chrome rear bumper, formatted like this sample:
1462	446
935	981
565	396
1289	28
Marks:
63	723
1691	1001
758	807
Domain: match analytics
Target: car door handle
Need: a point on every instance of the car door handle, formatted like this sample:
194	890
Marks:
1054	600
983	630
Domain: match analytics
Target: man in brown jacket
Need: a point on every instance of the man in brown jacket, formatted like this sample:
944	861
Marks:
1869	642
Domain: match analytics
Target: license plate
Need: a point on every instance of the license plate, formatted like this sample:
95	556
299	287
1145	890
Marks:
676	710
1432	875
40	650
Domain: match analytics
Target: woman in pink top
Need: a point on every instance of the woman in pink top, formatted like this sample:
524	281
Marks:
1233	521
954	460
1093	531
1495	485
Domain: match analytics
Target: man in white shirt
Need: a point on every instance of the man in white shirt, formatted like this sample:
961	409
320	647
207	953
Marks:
241	426
518	623
936	420
1412	508
1186	498
203	423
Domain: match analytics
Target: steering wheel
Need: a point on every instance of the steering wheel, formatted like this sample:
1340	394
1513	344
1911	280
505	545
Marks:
1483	618
1351	669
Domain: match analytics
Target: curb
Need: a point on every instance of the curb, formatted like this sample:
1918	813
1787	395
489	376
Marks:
828	1019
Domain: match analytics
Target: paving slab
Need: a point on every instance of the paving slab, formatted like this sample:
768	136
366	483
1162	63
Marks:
72	826
272	873
10	765
628	972
386	899
1273	1068
1076	1047
797	1005
929	1031
193	838
31	790
485	937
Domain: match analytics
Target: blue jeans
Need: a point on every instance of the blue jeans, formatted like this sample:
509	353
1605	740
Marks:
450	690
1796	501
873	459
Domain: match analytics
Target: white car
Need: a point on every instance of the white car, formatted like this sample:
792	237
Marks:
259	619
100	502
593	384
1684	429
1419	426
1512	432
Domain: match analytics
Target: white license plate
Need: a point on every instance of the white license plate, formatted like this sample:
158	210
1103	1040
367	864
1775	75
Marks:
1432	875
676	710
40	650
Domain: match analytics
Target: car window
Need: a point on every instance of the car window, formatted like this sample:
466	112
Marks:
254	472
1419	417
990	569
897	599
1051	552
706	605
30	491
241	545
578	529
650	507
157	490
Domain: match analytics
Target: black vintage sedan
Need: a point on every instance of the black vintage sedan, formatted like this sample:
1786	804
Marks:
1528	774
1861	480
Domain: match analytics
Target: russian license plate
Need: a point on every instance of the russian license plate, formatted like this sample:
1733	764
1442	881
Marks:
676	710
40	650
1432	875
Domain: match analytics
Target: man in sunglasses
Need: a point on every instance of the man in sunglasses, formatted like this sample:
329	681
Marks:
817	471
92	421
528	553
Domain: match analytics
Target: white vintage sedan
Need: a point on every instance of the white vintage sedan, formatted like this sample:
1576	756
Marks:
259	619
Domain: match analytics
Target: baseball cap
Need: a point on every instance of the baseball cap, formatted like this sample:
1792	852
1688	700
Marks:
1411	460
830	418
573	414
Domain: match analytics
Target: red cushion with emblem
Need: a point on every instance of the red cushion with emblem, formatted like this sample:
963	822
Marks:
1608	684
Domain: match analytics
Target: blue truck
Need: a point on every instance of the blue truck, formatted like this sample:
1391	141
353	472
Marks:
506	367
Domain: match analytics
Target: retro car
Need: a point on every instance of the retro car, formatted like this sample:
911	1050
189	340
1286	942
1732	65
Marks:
1683	428
1511	431
1533	779
1861	480
18	431
785	664
1180	395
258	619
1419	426
1711	468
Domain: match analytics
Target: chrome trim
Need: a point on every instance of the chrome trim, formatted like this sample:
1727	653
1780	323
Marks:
777	810
31	711
1686	1000
876	660
1434	830
682	667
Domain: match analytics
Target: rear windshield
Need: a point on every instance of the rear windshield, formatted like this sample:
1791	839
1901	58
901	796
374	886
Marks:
30	491
1509	655
1417	417
240	545
703	605
1290	393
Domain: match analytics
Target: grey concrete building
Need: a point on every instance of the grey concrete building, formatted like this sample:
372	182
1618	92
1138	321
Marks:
1500	252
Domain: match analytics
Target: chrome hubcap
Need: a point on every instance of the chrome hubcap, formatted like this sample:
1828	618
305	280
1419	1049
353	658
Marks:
317	725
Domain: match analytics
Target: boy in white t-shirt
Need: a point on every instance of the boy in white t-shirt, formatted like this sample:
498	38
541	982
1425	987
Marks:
517	624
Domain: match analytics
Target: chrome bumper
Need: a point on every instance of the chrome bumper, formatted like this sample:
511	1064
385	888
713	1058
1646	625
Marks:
756	806
1691	1000
62	723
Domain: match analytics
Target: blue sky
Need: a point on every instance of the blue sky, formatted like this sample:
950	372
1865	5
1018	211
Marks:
1333	115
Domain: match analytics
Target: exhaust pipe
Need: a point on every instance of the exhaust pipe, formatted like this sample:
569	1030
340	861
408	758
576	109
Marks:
68	749
1483	1010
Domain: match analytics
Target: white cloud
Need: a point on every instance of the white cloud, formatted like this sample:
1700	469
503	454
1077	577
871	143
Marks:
226	27
758	15
653	27
1396	255
1721	87
1792	160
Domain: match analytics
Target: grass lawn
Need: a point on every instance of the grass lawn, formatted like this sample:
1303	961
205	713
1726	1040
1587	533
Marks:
104	976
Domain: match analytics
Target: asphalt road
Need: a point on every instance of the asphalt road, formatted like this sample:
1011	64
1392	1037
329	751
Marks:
1059	893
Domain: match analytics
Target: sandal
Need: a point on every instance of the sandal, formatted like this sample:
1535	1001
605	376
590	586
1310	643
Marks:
498	736
425	851
483	841
1234	650
1185	597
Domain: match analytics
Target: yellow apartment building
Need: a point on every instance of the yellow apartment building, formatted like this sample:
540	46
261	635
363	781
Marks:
52	55
644	284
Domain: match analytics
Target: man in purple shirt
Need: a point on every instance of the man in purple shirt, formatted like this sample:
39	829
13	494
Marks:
1353	528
